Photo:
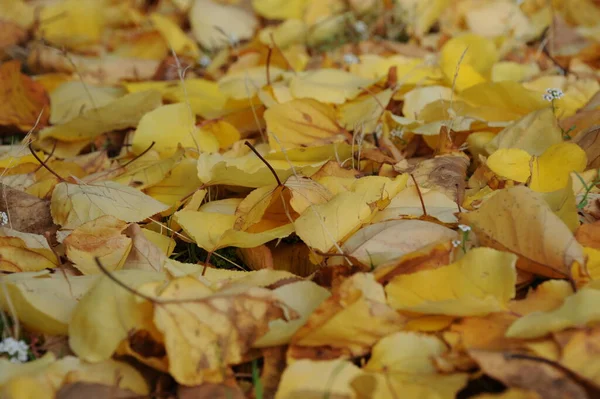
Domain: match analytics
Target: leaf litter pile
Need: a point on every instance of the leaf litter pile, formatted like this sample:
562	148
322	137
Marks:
300	199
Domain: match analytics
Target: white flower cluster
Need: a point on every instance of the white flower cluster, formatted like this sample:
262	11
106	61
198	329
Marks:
456	243
464	228
17	350
350	58
553	94
204	61
3	218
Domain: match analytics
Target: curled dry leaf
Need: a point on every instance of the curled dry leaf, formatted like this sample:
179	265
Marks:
43	377
25	212
384	242
44	302
529	373
206	332
101	239
25	252
519	220
402	365
350	321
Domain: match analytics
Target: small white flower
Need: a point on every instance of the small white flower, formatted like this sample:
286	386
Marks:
350	58
553	94
204	61
360	27
397	132
16	350
456	243
3	218
464	227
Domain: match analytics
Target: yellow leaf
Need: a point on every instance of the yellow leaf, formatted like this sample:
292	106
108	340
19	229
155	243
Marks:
73	23
203	96
243	85
416	99
576	311
362	114
222	233
20	12
75	204
107	313
544	298
534	133
481	282
168	127
148	170
216	24
402	365
352	319
509	98
124	112
25	252
328	85
511	163
519	220
248	170
73	97
466	60
385	241
407	203
176	39
280	9
317	379
323	226
410	71
44	377
301	123
44	302
273	206
289	32
204	333
514	71
422	16
178	183
302	297
101	238
550	172
493	19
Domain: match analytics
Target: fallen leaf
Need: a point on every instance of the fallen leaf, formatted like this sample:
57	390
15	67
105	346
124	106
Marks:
75	204
101	239
199	348
545	245
351	320
481	282
26	103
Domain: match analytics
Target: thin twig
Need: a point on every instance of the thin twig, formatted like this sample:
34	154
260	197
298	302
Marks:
265	162
419	193
44	164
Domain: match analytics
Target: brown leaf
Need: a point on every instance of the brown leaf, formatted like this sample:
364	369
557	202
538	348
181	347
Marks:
273	366
25	212
91	390
529	373
588	235
589	140
227	389
23	100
